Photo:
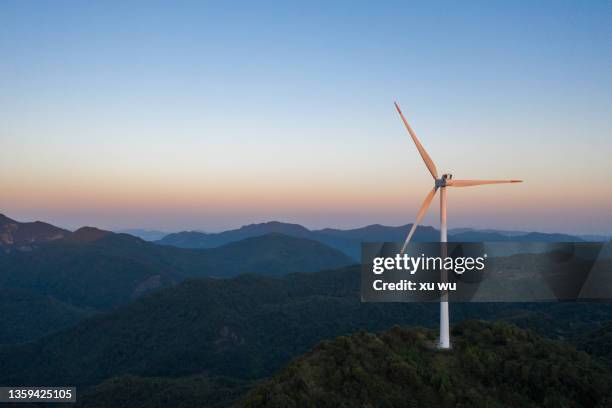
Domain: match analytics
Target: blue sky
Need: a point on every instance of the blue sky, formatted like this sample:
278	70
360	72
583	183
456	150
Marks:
202	115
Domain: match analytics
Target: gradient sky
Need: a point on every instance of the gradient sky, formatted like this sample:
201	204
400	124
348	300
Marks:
208	116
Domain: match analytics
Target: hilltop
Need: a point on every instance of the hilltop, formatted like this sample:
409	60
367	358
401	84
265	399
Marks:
25	234
490	365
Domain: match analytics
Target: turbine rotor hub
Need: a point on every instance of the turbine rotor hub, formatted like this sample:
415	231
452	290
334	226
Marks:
441	182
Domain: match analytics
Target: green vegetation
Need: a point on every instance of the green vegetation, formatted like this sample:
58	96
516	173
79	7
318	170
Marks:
188	392
597	342
25	315
246	327
111	269
491	365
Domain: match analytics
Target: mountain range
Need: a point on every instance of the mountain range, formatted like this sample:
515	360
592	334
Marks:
66	276
349	241
49	282
145	234
129	320
15	234
25	234
100	269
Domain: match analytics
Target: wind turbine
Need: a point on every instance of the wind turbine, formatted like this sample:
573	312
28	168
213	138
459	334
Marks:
439	183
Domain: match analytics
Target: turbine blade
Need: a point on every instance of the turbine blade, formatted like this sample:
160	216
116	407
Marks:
419	216
468	183
428	162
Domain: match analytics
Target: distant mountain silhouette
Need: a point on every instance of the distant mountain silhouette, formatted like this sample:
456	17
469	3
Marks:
86	235
479	236
147	235
510	233
545	237
516	233
383	233
195	239
23	235
349	241
26	234
596	238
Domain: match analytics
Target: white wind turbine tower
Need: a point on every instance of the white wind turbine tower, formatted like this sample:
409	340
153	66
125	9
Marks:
439	183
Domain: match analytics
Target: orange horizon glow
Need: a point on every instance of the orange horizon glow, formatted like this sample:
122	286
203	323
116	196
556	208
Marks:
218	119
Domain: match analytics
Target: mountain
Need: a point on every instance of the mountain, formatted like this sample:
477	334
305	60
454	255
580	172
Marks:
99	269
145	234
88	269
91	270
493	236
596	238
24	235
25	315
546	236
509	233
195	239
14	234
246	328
189	239
490	365
273	254
349	241
383	233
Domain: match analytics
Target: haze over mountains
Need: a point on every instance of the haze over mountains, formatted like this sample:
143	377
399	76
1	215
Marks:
349	241
26	234
146	234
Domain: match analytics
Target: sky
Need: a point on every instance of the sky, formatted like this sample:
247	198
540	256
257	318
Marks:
201	115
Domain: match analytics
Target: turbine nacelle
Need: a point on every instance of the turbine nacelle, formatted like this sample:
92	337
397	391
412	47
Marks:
442	181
